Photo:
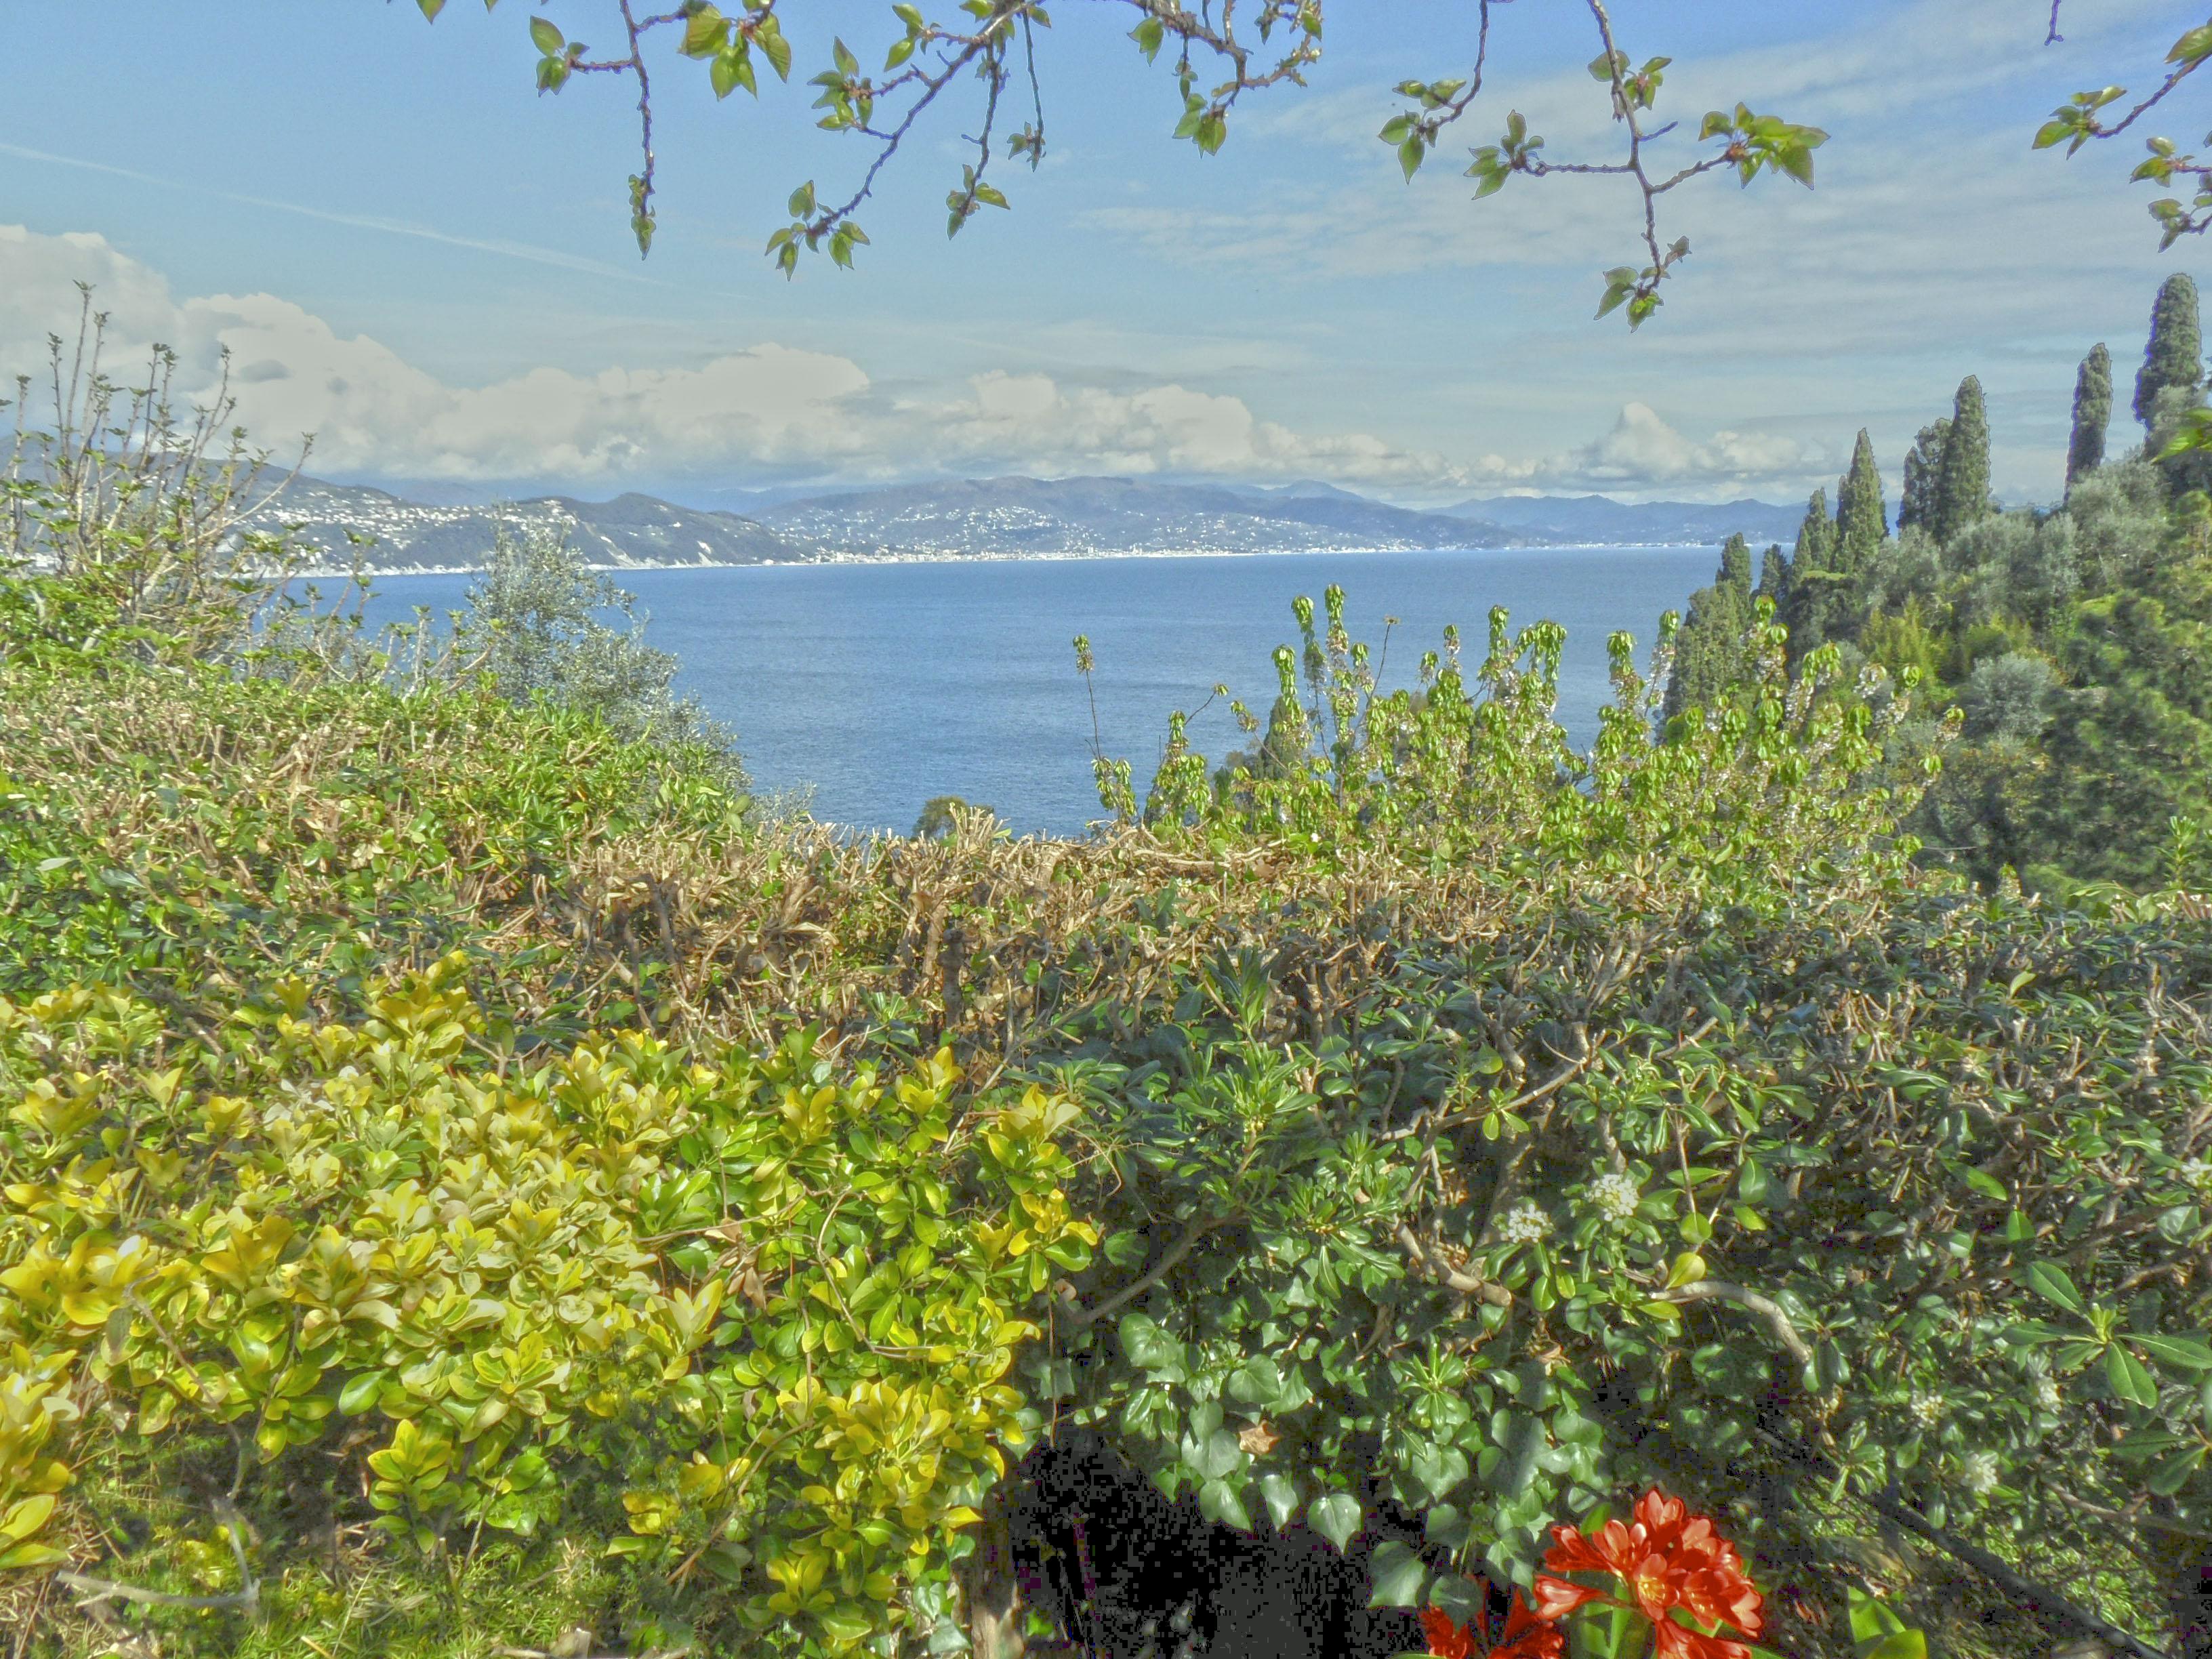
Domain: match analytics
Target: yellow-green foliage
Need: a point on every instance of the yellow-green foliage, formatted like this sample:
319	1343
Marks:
768	1304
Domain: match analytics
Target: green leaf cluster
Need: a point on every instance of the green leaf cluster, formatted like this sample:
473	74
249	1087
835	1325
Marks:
771	1304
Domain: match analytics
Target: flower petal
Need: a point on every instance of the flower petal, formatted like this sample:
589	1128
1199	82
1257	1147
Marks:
1445	1637
1556	1597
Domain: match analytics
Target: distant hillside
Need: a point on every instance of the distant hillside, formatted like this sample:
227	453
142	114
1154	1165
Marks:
994	518
1064	516
628	531
1600	519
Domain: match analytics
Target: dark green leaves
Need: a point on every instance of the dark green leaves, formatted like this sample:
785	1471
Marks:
1335	1518
2130	1378
1257	1382
2190	1353
1209	1450
2051	1282
1399	1575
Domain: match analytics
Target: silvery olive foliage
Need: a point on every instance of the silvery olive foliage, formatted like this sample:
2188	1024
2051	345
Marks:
532	624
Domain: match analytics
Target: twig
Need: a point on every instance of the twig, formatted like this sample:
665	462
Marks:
2005	1578
1193	1232
1466	1284
103	1590
1768	1311
2127	1518
2020	1588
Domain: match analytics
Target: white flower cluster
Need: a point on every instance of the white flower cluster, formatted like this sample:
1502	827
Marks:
1978	1471
1927	1408
1524	1223
2047	1393
1615	1195
2196	1171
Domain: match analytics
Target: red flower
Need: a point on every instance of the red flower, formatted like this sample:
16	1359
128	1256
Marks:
1665	1559
1526	1636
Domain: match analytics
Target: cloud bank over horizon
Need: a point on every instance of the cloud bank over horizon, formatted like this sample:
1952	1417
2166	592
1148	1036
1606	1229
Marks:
771	414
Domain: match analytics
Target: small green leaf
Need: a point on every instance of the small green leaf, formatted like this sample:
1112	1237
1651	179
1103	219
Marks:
431	8
706	33
2130	1378
2193	47
777	48
1335	1518
1219	1501
732	70
2051	1282
547	39
1399	1575
2187	1351
1984	1184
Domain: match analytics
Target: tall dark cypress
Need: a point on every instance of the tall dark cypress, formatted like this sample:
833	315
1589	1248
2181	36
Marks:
1962	489
2175	355
1861	517
2093	413
1810	578
1773	577
1709	654
1735	562
1924	471
1816	538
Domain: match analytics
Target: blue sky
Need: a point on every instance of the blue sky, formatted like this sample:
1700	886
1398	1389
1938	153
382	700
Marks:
414	256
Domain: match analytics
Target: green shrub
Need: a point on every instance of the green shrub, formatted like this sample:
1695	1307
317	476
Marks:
771	1306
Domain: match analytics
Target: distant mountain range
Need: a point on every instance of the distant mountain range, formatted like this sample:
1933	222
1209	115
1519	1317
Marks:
629	532
1594	519
994	518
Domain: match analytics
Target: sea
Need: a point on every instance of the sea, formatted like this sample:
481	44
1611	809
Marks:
880	685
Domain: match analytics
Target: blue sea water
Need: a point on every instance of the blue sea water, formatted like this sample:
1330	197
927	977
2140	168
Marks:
884	684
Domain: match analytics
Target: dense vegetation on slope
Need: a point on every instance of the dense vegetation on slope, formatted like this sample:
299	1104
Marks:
2070	644
465	1157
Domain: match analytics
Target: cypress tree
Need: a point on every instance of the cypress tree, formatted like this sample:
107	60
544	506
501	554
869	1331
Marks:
1962	489
1773	577
1709	647
2175	355
1862	518
2093	413
1923	470
1816	538
1809	578
1735	562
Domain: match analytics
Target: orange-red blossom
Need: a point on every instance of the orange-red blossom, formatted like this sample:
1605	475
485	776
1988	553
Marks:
1665	1559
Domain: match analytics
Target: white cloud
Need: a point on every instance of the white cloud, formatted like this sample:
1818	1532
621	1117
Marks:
768	412
1643	456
